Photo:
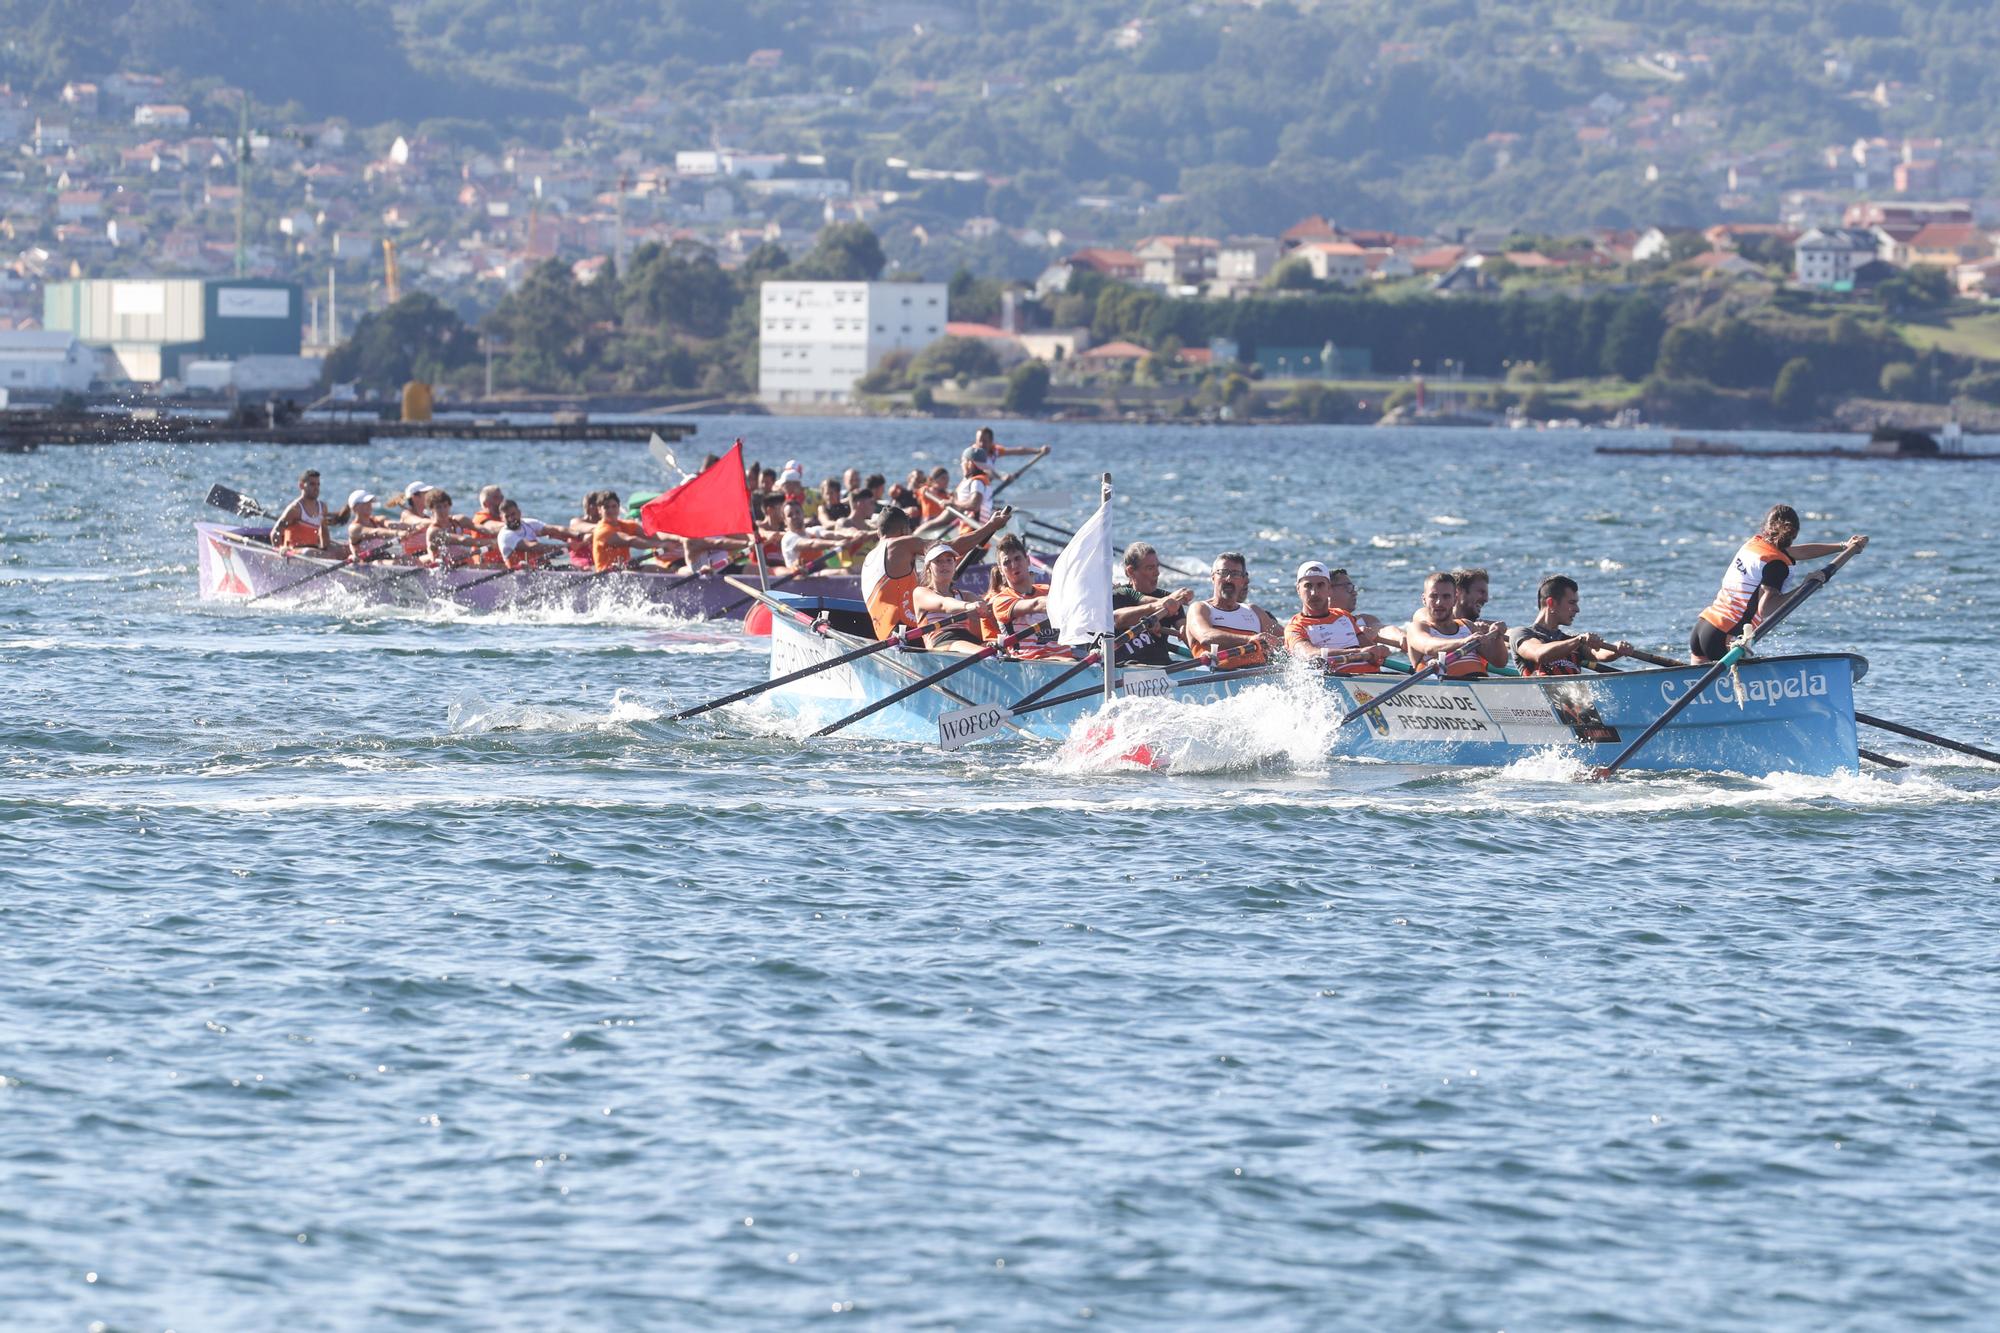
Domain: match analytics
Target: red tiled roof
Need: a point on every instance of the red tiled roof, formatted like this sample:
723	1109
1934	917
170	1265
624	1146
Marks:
1115	351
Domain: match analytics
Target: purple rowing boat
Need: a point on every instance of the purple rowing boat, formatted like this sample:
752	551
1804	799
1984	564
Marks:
239	565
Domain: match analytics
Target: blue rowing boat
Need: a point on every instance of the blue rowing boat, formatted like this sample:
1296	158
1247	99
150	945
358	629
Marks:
1775	714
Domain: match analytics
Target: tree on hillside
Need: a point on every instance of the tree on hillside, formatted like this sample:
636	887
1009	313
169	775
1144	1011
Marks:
1632	341
1027	388
680	287
1794	395
418	337
542	326
844	252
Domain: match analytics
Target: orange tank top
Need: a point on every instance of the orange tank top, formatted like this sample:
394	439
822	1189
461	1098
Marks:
303	531
607	554
1740	583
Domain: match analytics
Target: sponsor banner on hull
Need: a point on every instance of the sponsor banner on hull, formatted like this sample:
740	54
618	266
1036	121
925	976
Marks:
962	726
1450	713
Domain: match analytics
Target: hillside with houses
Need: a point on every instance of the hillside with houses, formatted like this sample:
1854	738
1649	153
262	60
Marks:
1724	164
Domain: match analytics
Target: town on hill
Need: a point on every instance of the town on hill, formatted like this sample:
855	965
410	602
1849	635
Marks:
1686	212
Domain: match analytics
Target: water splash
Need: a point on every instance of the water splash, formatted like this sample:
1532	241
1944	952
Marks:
1286	724
472	715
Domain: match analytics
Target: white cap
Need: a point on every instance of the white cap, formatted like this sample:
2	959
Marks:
791	473
415	488
359	498
937	549
1311	569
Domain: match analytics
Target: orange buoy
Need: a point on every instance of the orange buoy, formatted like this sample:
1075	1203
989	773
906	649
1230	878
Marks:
758	622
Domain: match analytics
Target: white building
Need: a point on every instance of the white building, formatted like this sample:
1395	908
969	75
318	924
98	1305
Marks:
35	359
817	338
1828	256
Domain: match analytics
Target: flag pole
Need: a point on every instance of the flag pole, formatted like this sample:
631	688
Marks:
1107	642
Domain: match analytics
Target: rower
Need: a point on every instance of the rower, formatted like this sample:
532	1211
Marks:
831	507
520	540
1326	630
891	572
580	530
487	516
448	540
932	597
1754	583
1018	601
367	535
983	439
1543	649
1140	597
614	538
1473	590
302	524
1437	629
798	545
1226	623
934	493
411	502
974	497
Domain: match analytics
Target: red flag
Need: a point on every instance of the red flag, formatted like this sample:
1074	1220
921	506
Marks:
714	502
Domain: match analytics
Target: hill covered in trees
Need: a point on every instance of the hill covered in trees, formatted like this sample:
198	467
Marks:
1217	116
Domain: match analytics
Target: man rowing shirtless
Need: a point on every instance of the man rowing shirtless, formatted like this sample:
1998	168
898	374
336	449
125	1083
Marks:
1326	630
890	573
1227	623
1543	649
1438	629
449	540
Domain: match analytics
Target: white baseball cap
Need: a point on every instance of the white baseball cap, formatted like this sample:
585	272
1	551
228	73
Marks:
791	473
415	488
359	498
1311	569
937	549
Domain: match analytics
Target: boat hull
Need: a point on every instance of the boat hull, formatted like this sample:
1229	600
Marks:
236	565
1781	714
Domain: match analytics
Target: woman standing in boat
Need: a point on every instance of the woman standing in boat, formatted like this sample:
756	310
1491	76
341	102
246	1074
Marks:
1754	583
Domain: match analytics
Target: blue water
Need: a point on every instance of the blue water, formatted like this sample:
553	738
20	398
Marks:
367	969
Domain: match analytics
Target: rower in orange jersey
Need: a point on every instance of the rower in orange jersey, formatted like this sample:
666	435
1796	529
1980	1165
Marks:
1754	583
302	525
1437	629
934	493
1326	630
615	537
1018	601
368	537
891	572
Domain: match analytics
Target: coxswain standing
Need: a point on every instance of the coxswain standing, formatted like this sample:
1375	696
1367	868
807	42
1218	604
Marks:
1543	648
1438	629
1754	583
1326	630
1226	624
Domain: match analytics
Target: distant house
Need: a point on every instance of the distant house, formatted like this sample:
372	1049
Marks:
1827	257
1118	265
1980	279
1119	353
1242	263
1314	228
1055	344
1006	346
1730	235
1177	261
54	359
1341	262
1904	218
1944	245
81	98
1919	177
161	115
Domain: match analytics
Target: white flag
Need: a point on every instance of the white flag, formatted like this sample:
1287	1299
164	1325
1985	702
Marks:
1080	588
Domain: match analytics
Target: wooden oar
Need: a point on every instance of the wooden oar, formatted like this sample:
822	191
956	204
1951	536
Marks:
810	567
1097	690
333	568
1813	583
902	639
1055	532
926	682
1018	472
1928	738
236	502
1871	756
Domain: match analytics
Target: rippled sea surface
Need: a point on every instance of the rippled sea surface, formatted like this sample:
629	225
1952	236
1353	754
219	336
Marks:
367	969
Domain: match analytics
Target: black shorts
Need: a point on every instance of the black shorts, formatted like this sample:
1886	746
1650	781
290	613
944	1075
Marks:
954	634
1706	642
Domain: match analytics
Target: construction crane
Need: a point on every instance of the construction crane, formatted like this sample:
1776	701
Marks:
389	274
